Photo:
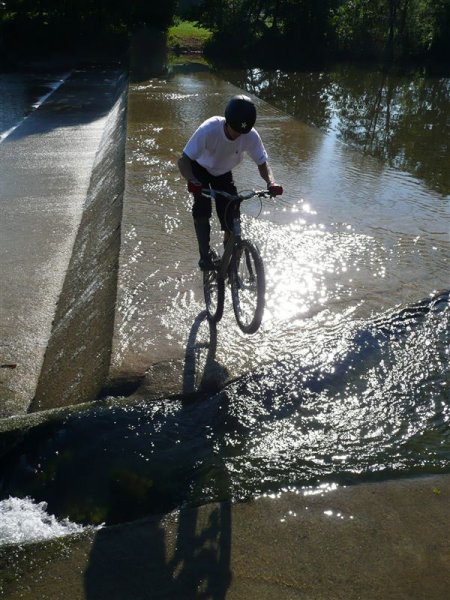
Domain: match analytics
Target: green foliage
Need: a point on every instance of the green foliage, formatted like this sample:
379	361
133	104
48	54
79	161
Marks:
186	7
252	31
379	29
66	22
395	28
187	34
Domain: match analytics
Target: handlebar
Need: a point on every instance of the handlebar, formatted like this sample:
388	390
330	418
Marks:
275	190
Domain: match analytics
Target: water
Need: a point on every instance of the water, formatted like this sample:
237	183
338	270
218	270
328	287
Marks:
401	118
372	403
351	237
346	381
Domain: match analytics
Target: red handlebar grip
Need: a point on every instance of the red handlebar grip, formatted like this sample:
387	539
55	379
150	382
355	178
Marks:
276	190
194	188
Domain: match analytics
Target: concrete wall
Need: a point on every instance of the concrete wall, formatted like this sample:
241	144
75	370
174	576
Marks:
77	358
60	207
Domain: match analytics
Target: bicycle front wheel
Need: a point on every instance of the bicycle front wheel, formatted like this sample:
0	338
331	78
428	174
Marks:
248	286
214	293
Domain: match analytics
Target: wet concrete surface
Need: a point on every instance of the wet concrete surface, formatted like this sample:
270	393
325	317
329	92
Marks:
366	542
46	166
77	358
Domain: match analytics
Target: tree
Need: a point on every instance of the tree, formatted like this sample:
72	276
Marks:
392	28
295	30
270	28
61	18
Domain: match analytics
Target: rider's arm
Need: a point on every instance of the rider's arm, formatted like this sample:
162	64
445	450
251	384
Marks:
193	150
266	173
185	167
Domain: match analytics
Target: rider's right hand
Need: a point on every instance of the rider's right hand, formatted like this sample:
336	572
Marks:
194	186
274	189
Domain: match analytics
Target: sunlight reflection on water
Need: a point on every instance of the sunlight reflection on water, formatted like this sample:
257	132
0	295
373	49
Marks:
339	382
348	234
367	400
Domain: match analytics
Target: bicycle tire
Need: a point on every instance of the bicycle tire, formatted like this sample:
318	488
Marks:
248	286
214	293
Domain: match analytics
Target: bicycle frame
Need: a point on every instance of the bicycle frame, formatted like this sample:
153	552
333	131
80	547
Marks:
235	234
246	278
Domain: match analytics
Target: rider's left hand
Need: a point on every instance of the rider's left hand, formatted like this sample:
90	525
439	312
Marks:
194	186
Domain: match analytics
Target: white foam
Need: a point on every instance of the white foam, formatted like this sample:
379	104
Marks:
22	521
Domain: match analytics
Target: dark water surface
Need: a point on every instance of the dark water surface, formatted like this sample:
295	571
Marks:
403	119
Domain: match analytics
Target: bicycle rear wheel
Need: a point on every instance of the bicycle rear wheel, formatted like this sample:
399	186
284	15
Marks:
214	293
248	286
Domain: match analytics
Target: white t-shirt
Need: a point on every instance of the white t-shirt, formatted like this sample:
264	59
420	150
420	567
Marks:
211	148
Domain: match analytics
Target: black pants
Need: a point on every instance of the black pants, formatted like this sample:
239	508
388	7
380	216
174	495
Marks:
202	206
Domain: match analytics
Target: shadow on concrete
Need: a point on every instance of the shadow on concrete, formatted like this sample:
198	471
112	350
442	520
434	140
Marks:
145	559
183	556
86	96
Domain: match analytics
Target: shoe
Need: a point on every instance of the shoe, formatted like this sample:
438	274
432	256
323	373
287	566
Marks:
209	263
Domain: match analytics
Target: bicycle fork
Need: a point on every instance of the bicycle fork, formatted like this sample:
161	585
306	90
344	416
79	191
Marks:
229	258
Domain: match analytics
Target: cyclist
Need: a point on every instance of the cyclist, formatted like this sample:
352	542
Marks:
215	148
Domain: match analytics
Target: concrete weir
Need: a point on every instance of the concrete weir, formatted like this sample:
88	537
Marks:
61	199
62	337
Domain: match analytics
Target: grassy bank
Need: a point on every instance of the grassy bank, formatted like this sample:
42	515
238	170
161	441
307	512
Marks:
186	36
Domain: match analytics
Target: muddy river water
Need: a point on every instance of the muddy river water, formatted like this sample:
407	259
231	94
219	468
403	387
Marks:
347	379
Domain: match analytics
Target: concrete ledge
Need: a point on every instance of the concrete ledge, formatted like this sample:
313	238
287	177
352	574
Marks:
53	171
368	542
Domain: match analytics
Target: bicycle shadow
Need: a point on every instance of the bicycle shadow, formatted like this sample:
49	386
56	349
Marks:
202	372
186	554
146	559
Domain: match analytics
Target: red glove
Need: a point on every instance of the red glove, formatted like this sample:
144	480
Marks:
274	189
195	187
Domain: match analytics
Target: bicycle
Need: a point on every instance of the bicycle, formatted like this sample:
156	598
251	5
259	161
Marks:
242	264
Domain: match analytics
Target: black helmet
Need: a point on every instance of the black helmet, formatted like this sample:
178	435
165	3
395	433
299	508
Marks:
240	113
